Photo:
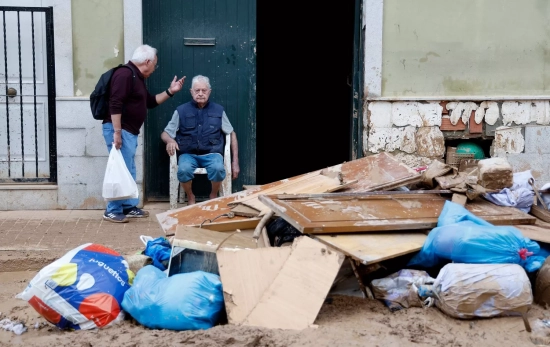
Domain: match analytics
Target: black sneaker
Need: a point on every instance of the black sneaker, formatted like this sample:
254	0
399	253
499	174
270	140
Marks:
115	217
135	212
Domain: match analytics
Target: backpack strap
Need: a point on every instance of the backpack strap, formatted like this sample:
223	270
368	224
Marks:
133	75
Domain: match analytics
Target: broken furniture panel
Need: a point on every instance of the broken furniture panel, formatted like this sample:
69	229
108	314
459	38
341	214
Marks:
375	172
375	247
346	213
217	214
379	171
278	287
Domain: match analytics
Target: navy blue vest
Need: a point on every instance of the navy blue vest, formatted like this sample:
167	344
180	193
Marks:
200	130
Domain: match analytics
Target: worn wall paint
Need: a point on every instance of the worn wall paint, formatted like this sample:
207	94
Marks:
430	142
508	140
406	113
463	48
98	41
518	112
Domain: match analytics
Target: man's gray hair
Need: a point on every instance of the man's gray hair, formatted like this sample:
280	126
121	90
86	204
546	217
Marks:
143	53
201	78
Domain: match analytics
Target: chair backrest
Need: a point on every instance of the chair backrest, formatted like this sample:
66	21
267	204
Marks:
226	187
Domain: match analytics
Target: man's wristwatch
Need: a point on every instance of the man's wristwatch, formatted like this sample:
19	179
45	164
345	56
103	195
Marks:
168	92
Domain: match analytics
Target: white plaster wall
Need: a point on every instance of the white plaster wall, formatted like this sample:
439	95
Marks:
408	126
81	150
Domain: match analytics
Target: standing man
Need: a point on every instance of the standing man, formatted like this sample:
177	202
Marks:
129	101
197	131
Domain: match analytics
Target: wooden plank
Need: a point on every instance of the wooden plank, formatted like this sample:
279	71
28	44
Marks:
231	225
209	241
540	212
535	232
374	247
278	287
345	213
314	184
196	214
375	172
245	211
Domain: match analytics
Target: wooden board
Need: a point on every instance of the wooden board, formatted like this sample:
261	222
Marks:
212	209
278	287
375	172
245	211
374	247
209	240
359	213
535	232
540	212
316	183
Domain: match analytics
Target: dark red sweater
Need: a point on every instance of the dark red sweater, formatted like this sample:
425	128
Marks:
136	100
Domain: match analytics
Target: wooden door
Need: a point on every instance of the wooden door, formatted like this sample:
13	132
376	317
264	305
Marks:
215	38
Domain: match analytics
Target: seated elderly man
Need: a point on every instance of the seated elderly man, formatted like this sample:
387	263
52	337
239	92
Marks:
196	133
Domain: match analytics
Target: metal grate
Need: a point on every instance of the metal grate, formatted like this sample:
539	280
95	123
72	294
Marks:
27	76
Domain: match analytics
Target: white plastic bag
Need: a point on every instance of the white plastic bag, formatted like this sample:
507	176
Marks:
482	290
118	183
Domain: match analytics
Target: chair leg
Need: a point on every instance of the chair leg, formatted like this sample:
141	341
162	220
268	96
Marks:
174	184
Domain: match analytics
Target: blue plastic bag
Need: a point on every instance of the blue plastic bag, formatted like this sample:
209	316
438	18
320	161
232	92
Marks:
159	250
188	301
462	237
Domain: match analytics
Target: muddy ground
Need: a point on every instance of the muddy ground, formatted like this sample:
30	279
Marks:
342	321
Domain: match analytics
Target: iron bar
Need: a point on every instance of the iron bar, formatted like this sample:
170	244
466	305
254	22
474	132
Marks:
34	92
20	97
7	106
52	124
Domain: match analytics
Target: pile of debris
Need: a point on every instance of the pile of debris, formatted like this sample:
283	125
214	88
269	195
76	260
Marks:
470	239
281	248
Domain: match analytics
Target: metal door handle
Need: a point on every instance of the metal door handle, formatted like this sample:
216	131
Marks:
12	92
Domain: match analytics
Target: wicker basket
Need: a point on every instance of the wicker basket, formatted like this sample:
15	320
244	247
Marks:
454	158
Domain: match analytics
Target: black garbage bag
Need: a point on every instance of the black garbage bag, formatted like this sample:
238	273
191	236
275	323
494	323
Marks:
280	231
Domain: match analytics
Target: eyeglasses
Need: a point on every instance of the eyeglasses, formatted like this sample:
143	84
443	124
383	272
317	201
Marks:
156	66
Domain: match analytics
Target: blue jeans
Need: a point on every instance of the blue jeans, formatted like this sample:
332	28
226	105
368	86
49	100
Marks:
128	150
213	163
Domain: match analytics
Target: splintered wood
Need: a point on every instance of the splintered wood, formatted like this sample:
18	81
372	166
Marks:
278	287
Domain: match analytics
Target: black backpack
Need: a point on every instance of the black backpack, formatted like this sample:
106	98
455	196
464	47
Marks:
99	98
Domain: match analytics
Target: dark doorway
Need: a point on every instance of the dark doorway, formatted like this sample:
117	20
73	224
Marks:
304	64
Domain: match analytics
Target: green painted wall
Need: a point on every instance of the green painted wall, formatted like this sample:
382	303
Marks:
98	41
467	47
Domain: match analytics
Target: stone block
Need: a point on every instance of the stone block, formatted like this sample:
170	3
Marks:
30	199
508	140
81	170
495	173
430	142
71	142
379	114
536	139
406	113
81	197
